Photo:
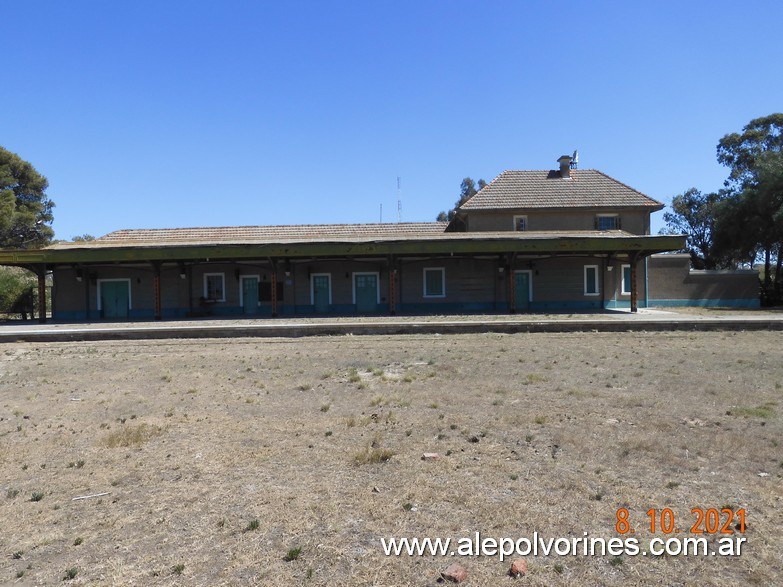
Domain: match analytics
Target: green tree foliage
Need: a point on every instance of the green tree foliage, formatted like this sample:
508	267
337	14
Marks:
84	238
750	222
25	210
17	288
468	189
740	152
693	214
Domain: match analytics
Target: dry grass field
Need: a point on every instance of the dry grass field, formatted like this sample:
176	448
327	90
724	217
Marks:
221	459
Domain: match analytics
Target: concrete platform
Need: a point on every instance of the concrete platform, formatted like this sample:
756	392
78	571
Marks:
610	321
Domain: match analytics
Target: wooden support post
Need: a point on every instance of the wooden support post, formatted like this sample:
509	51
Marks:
156	288
634	289
189	273
392	292
86	281
42	295
512	286
274	290
392	287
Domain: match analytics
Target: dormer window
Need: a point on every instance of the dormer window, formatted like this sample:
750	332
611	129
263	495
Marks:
520	223
607	222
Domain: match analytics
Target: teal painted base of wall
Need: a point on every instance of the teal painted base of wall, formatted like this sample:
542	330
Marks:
565	306
410	309
450	308
622	305
70	316
336	310
733	303
492	307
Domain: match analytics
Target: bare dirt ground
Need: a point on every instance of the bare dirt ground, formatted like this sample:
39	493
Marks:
222	458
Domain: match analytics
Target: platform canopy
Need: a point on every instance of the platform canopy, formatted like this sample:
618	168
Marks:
342	240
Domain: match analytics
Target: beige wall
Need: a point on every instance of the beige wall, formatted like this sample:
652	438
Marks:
671	279
69	294
562	279
631	221
341	273
466	280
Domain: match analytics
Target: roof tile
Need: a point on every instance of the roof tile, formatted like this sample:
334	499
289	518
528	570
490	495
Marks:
587	188
264	234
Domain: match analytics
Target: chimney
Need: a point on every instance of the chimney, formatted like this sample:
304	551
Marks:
565	166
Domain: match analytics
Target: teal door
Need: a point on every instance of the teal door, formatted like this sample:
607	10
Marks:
250	295
522	291
366	291
321	293
115	299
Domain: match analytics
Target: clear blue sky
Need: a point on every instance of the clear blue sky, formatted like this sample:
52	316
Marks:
170	113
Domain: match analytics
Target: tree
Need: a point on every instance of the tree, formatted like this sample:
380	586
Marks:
741	152
467	191
25	210
85	238
750	222
731	237
693	214
17	291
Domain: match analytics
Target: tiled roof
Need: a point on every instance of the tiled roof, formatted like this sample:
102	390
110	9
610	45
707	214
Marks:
262	234
361	233
587	188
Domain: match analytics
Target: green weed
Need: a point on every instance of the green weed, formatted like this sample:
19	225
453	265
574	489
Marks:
293	554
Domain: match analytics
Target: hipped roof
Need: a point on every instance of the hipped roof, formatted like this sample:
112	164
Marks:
585	188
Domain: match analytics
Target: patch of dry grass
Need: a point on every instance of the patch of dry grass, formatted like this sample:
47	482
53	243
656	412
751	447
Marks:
369	455
132	435
548	432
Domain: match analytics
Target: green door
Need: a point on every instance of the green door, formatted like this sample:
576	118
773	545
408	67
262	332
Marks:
250	295
522	291
321	293
115	299
366	290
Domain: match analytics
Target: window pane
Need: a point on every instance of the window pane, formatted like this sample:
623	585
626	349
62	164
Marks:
433	282
608	222
520	223
215	287
591	280
627	279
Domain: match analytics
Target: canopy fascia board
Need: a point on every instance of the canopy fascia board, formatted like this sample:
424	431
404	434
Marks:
439	246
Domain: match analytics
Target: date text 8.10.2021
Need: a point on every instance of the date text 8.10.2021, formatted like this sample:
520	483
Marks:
703	521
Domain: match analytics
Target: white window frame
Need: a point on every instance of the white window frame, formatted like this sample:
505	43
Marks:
616	218
625	288
442	271
206	289
127	280
597	281
517	219
329	277
353	284
242	289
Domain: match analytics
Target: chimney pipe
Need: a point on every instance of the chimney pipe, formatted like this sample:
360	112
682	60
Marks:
565	166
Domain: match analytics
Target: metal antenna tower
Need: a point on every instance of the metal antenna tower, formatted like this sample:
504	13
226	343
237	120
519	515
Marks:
399	202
